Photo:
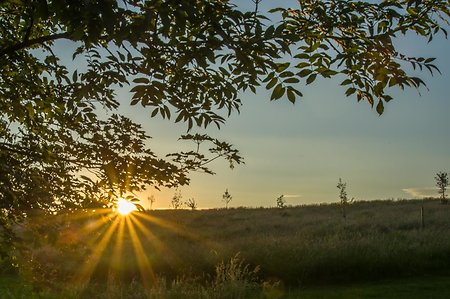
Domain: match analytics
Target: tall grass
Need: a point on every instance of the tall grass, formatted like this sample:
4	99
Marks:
297	246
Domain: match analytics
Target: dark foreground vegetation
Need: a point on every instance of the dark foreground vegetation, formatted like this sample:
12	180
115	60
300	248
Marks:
233	253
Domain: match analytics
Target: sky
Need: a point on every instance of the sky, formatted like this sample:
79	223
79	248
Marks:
300	151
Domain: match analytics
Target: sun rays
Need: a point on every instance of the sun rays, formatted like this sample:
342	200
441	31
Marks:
147	275
85	273
114	234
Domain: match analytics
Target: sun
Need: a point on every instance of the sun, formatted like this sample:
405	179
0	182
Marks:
124	207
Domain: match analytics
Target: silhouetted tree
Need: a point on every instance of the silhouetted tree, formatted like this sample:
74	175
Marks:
191	203
226	198
281	202
176	202
442	183
344	200
151	199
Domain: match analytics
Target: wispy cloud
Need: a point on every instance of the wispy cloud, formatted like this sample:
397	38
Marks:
421	192
292	196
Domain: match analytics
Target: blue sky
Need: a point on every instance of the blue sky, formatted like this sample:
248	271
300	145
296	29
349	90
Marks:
302	150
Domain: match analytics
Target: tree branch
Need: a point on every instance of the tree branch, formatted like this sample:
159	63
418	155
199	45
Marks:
30	42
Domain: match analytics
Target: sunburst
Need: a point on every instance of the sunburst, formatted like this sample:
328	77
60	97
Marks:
125	207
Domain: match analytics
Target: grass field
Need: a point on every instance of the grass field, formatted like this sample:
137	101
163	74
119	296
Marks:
379	251
430	287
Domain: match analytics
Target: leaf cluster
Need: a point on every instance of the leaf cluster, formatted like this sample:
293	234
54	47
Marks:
356	39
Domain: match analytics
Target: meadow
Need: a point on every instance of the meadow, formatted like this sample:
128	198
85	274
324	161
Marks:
295	252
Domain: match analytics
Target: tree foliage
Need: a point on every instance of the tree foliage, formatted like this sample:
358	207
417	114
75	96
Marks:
356	39
62	143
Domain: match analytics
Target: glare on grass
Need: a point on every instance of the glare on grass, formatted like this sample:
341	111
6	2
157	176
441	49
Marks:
124	207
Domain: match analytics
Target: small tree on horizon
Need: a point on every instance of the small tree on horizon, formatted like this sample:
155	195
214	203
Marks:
344	200
151	199
281	202
442	183
191	203
226	198
176	202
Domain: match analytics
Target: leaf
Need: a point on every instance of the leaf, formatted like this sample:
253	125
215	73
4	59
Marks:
141	80
278	92
286	74
269	77
291	80
167	110
272	83
328	73
121	56
297	92
179	117
302	56
269	32
303	65
346	82
305	72
282	66
280	29
350	91
291	96
380	107
311	79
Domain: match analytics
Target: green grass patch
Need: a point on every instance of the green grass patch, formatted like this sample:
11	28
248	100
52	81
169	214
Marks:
430	287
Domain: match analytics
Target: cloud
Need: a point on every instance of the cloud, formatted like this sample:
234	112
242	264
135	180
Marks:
421	192
292	196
